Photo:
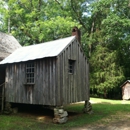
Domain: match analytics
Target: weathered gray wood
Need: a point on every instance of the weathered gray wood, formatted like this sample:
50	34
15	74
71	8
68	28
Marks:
50	82
69	86
53	84
21	71
66	76
44	83
76	73
58	82
37	92
61	78
54	81
71	76
63	85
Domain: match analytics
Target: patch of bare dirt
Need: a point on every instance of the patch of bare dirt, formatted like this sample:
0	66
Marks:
119	124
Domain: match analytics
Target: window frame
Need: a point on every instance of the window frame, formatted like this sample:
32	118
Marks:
71	66
30	73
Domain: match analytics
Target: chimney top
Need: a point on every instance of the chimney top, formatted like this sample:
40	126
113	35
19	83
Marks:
76	32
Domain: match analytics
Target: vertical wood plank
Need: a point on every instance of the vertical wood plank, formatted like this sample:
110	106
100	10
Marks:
54	81
65	75
44	82
68	90
51	80
22	91
61	79
81	71
58	81
76	78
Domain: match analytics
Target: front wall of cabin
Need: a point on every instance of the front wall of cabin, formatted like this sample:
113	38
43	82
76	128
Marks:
42	92
72	88
54	85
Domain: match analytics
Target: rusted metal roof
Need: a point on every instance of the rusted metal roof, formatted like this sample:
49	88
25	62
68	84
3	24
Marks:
38	51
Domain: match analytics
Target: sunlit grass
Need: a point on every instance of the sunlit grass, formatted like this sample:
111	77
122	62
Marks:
104	111
99	100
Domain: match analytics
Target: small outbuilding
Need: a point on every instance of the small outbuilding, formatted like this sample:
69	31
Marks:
126	90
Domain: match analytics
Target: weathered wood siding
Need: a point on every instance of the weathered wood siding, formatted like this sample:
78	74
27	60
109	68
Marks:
54	85
72	87
42	92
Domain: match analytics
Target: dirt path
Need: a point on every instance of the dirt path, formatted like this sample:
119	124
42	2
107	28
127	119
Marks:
120	125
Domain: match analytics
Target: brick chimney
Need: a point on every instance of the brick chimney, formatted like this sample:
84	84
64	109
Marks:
76	32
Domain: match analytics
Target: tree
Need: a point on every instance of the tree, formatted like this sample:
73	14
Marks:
106	74
108	42
2	15
39	21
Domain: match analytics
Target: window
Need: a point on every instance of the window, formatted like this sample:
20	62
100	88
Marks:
71	66
30	73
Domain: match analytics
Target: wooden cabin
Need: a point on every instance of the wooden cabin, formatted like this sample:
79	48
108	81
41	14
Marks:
126	90
54	73
8	44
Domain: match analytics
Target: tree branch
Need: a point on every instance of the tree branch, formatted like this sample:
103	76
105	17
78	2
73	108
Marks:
59	4
77	16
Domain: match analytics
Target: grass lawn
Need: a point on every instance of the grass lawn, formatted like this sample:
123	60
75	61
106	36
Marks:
104	112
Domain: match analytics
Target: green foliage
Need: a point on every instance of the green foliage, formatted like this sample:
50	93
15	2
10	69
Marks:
106	74
109	45
38	21
2	16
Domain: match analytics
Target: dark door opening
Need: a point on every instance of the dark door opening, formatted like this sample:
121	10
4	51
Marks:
2	78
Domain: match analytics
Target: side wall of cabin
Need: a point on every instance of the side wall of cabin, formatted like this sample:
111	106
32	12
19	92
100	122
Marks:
42	92
72	87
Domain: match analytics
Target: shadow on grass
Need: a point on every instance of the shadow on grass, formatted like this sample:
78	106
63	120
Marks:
100	111
39	118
